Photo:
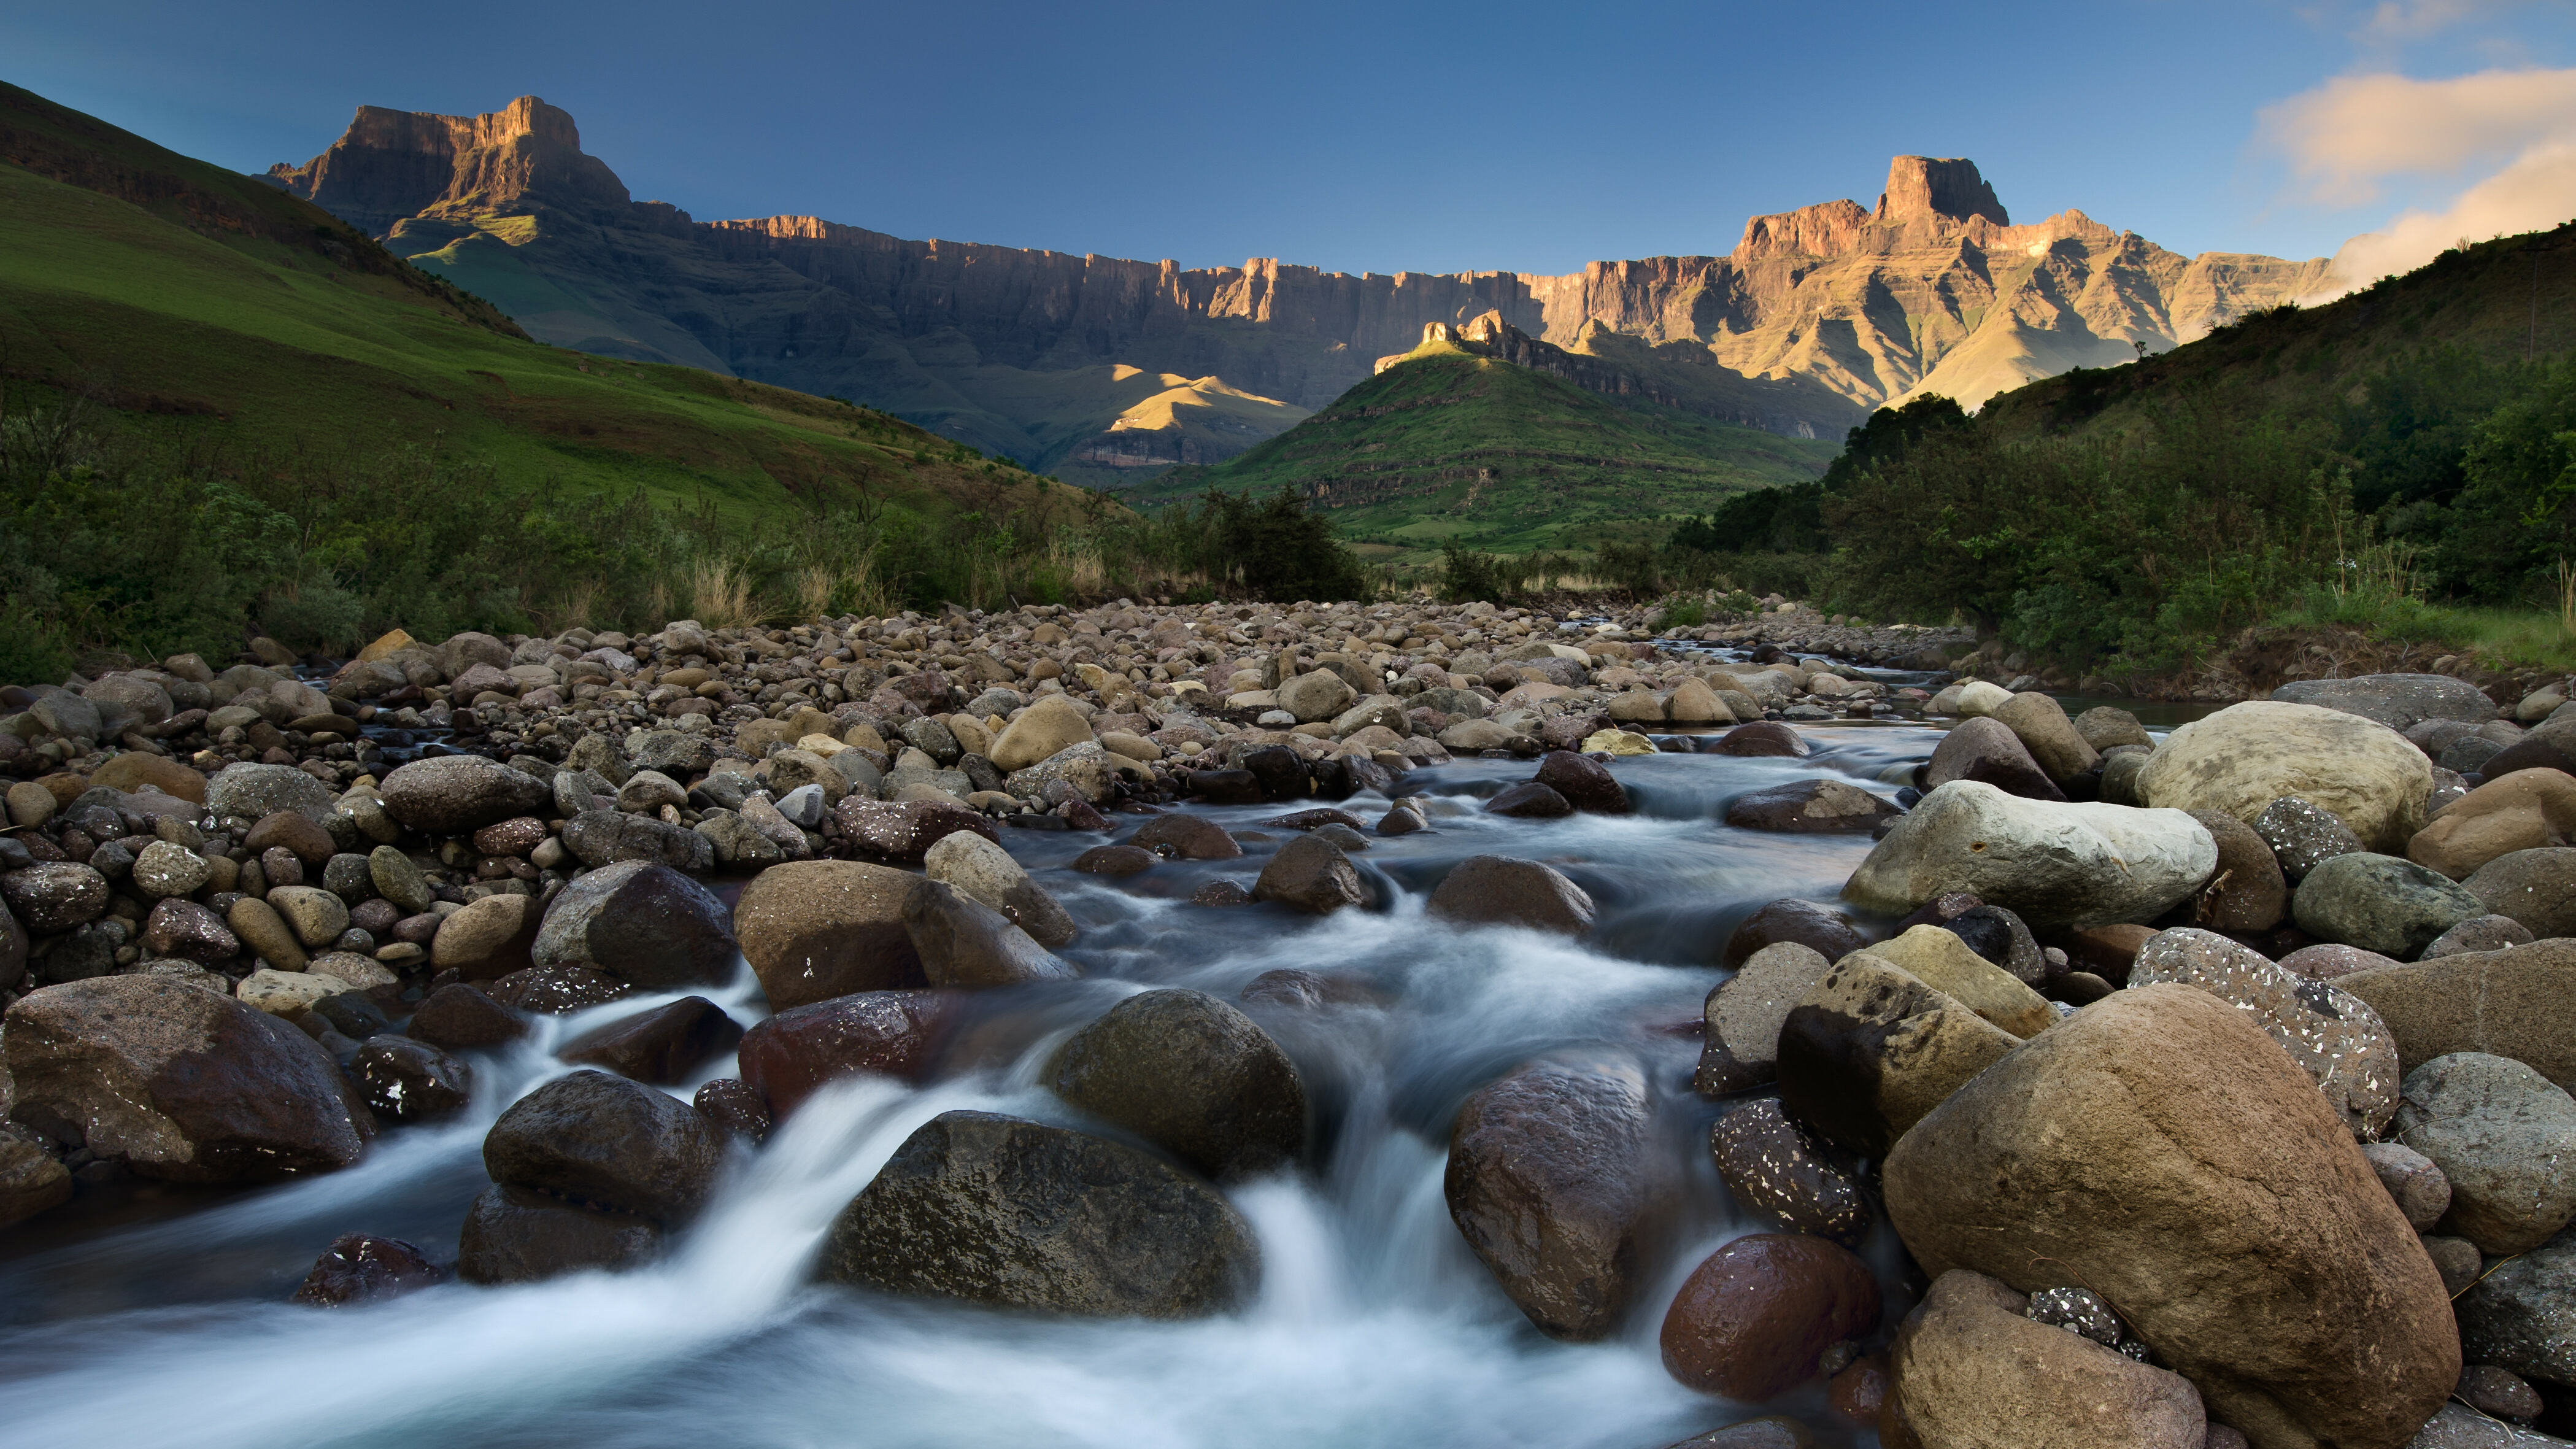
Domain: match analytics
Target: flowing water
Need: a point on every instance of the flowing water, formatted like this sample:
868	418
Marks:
1373	1324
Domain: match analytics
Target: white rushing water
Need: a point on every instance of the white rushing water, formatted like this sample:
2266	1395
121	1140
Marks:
1373	1325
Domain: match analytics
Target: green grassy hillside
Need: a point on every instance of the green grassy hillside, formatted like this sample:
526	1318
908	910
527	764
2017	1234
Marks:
1450	445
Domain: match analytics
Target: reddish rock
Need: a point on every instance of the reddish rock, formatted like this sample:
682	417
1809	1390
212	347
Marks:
463	1018
899	833
1186	837
1757	1314
1116	860
1762	737
1529	800
360	1268
1586	783
663	1045
892	1033
735	1109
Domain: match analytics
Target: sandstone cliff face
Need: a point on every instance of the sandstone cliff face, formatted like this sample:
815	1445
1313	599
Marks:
1817	316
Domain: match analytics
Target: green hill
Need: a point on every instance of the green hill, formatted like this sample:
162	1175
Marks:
1448	444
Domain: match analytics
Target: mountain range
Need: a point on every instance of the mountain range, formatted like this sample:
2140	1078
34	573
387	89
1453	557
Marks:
1103	369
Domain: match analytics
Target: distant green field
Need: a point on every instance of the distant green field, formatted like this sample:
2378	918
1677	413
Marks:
1449	445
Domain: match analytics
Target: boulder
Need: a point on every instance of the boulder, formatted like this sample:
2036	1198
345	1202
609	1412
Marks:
178	1082
1740	1033
1940	959
2521	1315
464	1018
2479	933
1086	768
2526	810
409	1080
53	896
1191	1075
664	1046
298	834
1529	800
978	868
253	792
2052	739
1776	1171
1497	890
2414	1183
1810	807
457	794
188	931
513	1235
2003	938
646	924
357	1268
1755	1318
2380	903
164	869
2333	1035
902	832
1311	874
1987	751
609	1143
1315	697
606	837
813	930
789	1057
2106	727
1762	737
1822	929
554	990
1586	784
2399	701
1014	1214
2246	756
967	944
2536	888
2504	1137
2053	864
1186	837
489	938
1554	1173
2160	1149
2303	836
2248	891
1972	1368
1870	1049
2518	1003
134	770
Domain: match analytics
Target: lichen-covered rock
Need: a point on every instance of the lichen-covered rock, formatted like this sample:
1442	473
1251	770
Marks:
1192	1075
2333	1035
2246	756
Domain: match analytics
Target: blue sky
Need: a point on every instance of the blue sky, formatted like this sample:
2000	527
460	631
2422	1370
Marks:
1393	137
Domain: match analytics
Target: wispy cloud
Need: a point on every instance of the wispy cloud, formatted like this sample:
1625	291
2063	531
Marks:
2399	20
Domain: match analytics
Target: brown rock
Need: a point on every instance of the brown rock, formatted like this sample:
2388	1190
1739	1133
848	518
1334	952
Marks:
1116	860
554	990
1822	929
1191	1075
461	1018
2518	1003
966	944
1186	837
409	1080
816	929
134	769
1311	874
662	1046
1763	737
609	1143
2525	810
513	1235
1986	750
1528	800
456	794
2106	951
2248	893
1586	783
1773	1169
1554	1173
1496	890
1871	1049
1756	1315
488	939
294	832
2160	1150
357	1268
734	1108
1810	807
647	924
787	1058
1972	1369
901	832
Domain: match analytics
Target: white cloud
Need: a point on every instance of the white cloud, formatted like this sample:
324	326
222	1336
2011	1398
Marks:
2396	20
2536	191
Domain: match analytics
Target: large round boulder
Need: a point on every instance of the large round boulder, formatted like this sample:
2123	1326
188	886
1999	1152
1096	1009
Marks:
253	792
2246	756
2519	1002
1311	874
1050	725
1973	1367
2504	1137
1986	750
457	794
2534	887
2333	1035
1586	783
2052	739
1017	1214
2526	810
2159	1149
1870	1049
816	929
488	939
979	868
791	1056
1497	890
178	1082
2053	864
645	924
967	944
1193	1076
1755	1318
2381	903
1554	1173
610	1143
2399	701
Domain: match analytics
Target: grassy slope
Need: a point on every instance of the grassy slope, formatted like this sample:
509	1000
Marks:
1510	459
212	305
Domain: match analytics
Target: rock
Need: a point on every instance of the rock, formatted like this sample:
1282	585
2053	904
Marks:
409	1080
2521	1316
1987	751
2518	1003
2248	892
790	1056
30	804
1089	770
1317	696
605	837
609	1143
2380	903
1754	1319
1870	1049
2491	1390
163	870
1554	1171
1470	736
979	868
2052	739
1937	957
489	938
1312	875
1115	860
298	834
1811	807
398	880
554	990
2053	864
1980	697
994	1210
2536	888
2302	836
646	924
2479	933
1776	1171
2105	727
1496	890
2158	1148
2327	962
461	1018
1586	784
512	1235
1762	737
1825	930
457	794
32	1180
813	930
2333	1035
1529	800
2456	1259
735	1109
1186	837
253	792
1617	742
188	931
966	944
357	1268
1999	936
663	1046
2246	756
2526	810
902	832
133	770
2504	1138
2414	1183
1191	1075
182	1084
1740	1036
2458	1426
1972	1369
2399	701
53	896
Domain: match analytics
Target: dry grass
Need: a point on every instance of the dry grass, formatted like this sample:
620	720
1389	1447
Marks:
719	596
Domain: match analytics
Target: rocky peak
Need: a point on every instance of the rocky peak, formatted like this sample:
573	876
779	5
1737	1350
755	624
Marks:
391	164
1937	186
